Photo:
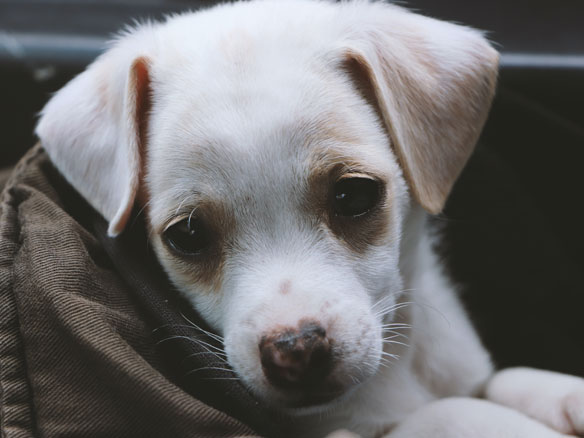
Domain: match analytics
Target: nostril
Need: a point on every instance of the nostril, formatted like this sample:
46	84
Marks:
287	341
310	329
296	358
320	355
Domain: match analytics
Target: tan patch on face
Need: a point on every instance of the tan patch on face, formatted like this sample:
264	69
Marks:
206	268
357	233
365	231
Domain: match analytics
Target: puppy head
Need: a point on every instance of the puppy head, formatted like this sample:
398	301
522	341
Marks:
277	148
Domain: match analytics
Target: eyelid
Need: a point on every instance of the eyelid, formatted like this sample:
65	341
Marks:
357	175
175	221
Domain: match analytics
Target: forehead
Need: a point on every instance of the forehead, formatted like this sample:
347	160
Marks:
267	122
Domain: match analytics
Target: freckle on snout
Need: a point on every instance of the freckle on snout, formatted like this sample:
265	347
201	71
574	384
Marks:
285	287
249	322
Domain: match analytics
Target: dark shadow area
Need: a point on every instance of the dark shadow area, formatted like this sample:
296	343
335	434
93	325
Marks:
513	238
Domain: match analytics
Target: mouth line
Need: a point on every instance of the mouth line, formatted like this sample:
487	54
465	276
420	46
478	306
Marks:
305	398
315	399
320	403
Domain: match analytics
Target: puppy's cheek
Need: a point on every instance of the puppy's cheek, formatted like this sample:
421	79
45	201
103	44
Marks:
205	298
358	345
241	347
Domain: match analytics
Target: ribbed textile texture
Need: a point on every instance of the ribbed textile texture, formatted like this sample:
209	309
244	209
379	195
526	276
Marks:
80	353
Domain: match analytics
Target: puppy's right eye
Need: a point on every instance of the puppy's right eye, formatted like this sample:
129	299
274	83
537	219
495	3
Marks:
355	196
190	236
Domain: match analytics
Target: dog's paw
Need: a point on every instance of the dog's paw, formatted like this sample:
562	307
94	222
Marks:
471	418
565	415
552	398
573	409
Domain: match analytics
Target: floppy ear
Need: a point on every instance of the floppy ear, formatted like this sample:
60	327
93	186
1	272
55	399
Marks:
432	83
93	130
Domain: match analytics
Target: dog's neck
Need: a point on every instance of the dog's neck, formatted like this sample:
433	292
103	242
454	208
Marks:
415	244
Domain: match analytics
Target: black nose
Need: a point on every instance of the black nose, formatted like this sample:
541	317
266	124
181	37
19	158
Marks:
296	358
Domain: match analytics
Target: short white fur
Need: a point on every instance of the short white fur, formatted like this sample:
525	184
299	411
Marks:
245	98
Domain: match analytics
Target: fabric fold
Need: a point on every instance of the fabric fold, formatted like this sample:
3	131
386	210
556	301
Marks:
94	341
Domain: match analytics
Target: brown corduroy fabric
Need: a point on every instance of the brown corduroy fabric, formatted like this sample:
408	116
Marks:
76	355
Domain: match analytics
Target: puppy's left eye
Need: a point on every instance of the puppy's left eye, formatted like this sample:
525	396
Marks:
189	236
355	197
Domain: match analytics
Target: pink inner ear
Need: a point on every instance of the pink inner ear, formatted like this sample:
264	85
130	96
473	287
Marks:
142	113
143	99
139	107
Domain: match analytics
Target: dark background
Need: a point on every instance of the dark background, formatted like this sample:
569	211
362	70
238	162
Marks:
512	230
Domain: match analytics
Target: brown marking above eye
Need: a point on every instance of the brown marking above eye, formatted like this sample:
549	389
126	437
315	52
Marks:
205	266
285	287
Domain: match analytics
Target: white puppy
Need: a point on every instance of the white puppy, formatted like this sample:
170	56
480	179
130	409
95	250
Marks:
287	153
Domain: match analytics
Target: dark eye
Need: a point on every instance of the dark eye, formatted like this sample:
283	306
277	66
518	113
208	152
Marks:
355	196
189	236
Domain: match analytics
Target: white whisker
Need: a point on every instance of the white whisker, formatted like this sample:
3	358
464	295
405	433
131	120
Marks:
395	335
221	359
387	341
198	341
212	335
386	354
208	369
191	195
